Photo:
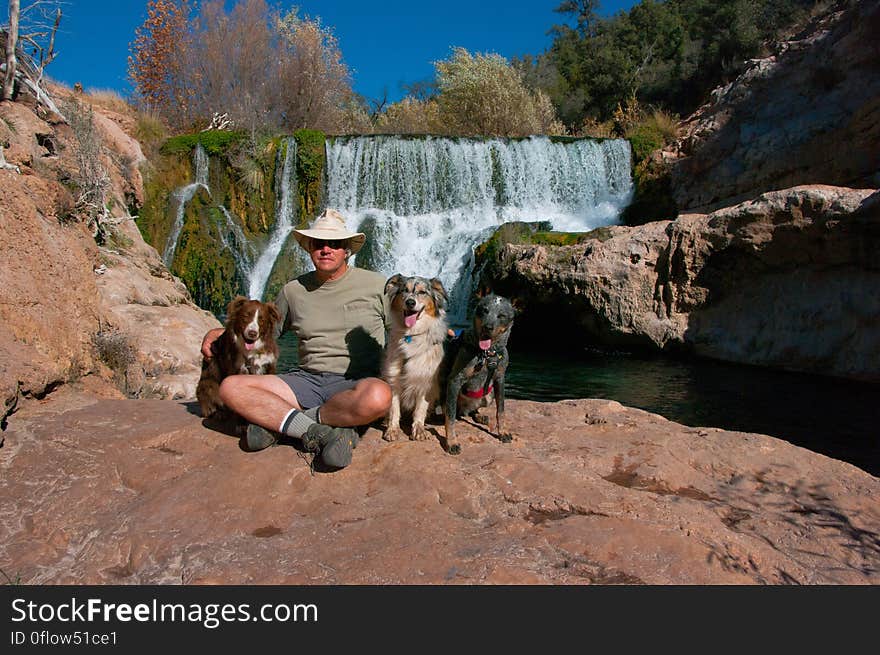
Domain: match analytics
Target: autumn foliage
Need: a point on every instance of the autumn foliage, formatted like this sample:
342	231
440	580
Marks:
156	60
265	69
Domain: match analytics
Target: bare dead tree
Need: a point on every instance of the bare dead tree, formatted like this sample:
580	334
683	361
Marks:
41	23
378	105
30	47
11	47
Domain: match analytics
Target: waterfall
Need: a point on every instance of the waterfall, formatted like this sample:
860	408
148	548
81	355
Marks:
285	213
426	202
232	238
183	195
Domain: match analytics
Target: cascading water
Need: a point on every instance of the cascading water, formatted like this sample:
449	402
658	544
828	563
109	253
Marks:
285	213
232	238
426	202
182	196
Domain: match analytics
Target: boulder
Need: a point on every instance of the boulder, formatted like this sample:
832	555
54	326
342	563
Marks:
589	492
70	307
787	280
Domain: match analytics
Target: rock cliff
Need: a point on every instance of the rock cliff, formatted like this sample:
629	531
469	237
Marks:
786	280
589	492
70	307
808	114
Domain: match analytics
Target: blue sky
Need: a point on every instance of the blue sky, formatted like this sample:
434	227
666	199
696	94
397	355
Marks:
384	43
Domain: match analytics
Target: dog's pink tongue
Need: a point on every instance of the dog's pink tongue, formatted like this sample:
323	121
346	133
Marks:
485	344
249	346
410	319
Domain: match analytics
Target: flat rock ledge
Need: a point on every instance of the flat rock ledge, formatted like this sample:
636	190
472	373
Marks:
105	491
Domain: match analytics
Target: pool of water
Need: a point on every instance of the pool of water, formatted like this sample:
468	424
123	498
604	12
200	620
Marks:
838	418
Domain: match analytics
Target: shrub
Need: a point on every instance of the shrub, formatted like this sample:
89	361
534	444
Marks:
91	180
484	95
150	130
115	350
651	133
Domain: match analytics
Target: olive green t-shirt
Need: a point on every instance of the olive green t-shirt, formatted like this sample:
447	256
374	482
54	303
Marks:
340	324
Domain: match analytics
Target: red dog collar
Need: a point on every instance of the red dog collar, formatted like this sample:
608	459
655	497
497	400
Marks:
477	393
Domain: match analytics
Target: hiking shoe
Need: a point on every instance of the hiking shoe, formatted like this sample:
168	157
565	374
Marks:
334	444
258	438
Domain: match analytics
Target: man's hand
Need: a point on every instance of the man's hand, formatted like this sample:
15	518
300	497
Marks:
210	338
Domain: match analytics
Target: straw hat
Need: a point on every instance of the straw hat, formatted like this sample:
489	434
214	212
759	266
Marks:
330	225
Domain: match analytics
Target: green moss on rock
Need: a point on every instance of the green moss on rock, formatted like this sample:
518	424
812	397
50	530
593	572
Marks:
310	163
215	142
207	271
155	216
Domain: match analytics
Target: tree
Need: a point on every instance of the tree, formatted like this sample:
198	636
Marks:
11	46
314	84
264	69
410	116
585	13
154	66
484	95
31	28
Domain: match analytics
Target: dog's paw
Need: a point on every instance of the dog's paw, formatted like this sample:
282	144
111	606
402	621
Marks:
419	433
505	437
451	447
393	434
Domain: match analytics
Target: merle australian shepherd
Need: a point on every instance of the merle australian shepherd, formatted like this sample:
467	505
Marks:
415	350
247	346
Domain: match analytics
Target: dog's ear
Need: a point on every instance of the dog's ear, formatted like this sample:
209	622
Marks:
439	293
392	286
274	314
518	304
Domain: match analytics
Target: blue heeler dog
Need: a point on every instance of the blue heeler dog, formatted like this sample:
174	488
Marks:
476	362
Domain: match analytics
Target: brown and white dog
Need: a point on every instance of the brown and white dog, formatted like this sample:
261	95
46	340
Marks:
246	347
415	350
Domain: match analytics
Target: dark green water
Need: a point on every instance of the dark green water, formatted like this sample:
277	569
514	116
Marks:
834	417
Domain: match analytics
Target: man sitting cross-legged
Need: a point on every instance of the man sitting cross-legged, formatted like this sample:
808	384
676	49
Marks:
339	314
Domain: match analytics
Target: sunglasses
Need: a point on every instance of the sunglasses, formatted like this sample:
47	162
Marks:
334	244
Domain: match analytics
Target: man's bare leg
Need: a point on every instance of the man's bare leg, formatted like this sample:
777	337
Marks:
366	402
261	399
266	401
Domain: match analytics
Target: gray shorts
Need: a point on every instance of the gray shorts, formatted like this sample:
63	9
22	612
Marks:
312	389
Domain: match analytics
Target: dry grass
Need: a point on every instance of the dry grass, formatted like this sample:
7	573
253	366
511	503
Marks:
596	129
108	99
666	124
150	131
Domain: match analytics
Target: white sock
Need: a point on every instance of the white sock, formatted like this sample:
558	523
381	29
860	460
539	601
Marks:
296	423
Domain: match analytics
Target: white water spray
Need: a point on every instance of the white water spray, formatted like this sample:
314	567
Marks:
232	238
426	202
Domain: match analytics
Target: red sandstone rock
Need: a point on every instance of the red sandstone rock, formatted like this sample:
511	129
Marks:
138	492
62	295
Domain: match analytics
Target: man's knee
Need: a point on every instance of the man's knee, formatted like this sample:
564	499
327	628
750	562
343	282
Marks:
229	387
376	398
